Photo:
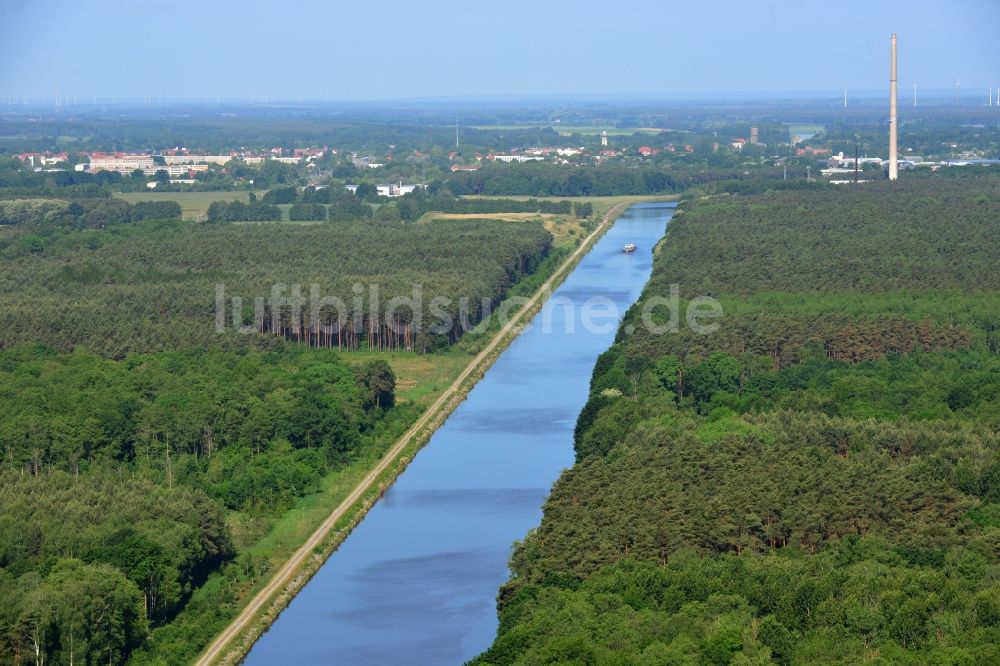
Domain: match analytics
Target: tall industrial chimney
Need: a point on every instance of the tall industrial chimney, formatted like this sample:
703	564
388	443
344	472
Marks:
893	166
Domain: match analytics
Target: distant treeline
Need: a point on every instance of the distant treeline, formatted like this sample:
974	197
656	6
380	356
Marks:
76	184
564	181
258	211
238	211
414	205
336	204
23	178
85	213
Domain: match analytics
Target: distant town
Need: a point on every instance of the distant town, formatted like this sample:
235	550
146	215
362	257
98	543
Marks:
180	166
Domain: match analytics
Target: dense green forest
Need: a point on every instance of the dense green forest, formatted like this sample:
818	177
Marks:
143	454
151	286
816	481
125	484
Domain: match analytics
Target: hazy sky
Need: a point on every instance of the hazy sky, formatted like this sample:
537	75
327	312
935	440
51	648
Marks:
412	48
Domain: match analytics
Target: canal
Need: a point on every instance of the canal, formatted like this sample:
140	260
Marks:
417	579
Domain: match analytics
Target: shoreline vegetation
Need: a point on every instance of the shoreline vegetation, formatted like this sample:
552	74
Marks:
256	616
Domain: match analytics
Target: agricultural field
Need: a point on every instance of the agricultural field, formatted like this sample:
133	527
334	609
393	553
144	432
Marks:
817	480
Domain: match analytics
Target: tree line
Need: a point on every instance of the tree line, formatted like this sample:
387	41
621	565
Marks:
238	211
339	204
566	181
85	213
415	204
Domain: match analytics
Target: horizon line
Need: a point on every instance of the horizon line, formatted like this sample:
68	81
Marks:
926	95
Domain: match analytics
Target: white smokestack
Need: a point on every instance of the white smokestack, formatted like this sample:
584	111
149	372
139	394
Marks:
893	167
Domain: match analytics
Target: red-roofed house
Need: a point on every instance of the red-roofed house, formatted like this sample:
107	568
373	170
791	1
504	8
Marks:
809	150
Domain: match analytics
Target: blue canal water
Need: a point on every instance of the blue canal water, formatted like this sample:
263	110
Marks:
416	581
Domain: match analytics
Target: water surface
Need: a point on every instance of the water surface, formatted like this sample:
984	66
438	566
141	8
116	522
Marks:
416	581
